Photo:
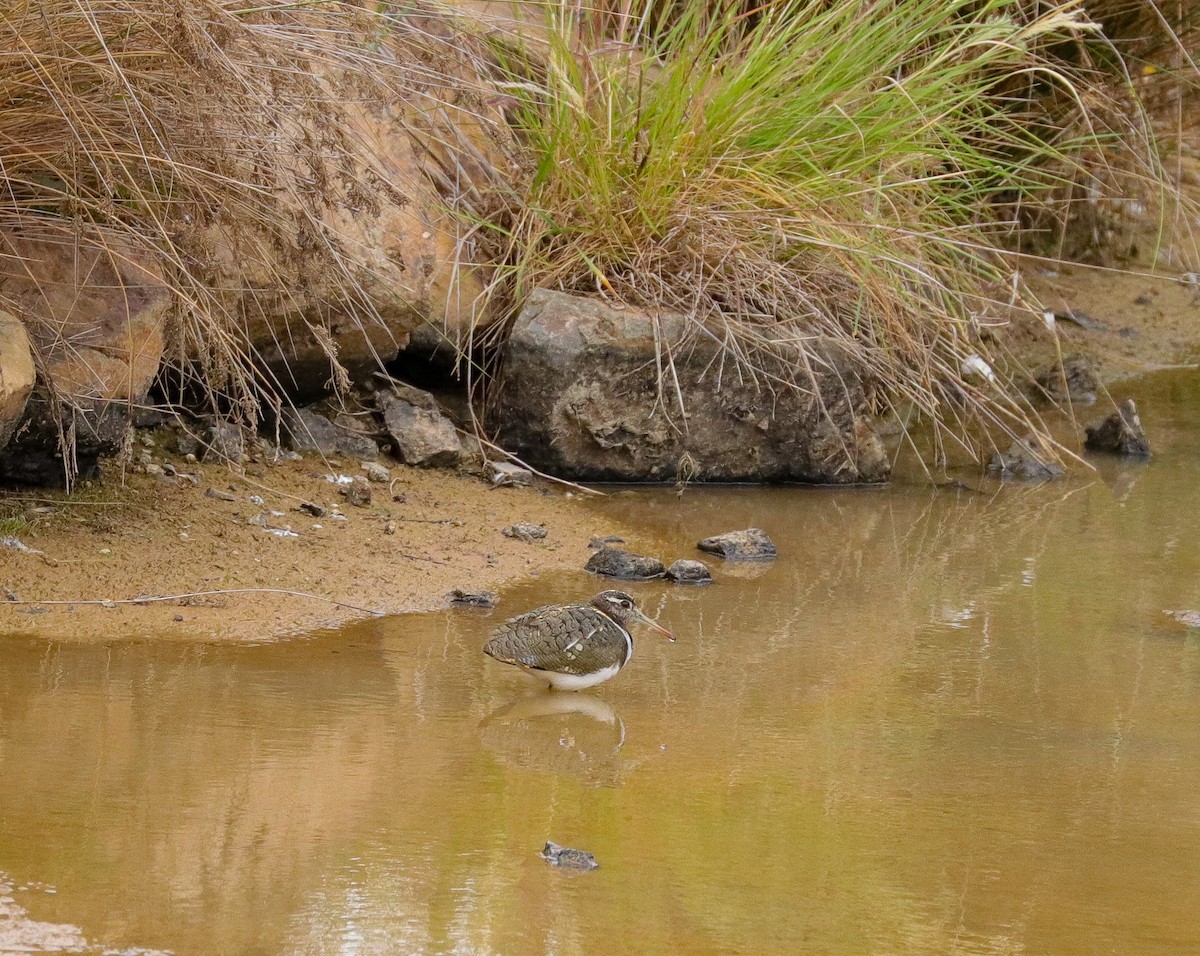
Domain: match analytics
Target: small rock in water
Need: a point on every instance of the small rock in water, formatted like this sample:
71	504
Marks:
473	598
684	571
1026	460
504	474
1074	379
568	858
376	472
625	565
596	543
1121	433
1186	618
751	544
358	492
219	494
525	531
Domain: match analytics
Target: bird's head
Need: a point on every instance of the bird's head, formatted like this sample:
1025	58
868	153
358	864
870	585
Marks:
621	608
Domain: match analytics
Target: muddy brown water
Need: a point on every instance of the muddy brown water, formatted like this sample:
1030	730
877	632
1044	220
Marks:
944	721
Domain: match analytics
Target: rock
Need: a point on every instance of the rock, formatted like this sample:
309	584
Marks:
358	492
579	399
95	309
615	563
753	544
597	543
186	443
423	436
1075	379
219	495
1186	618
504	474
525	531
226	441
308	431
689	572
473	598
310	508
390	528
376	472
17	374
34	454
1026	460
568	858
1119	434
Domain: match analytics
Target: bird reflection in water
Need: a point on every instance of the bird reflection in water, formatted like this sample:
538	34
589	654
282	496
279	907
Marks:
572	734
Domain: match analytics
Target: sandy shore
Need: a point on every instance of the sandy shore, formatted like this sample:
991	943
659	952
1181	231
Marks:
431	531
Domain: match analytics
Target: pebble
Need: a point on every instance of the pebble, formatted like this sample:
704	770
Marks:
525	531
309	507
376	472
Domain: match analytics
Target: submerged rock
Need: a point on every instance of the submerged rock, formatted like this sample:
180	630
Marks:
423	436
1026	460
485	599
752	544
568	858
1075	379
689	572
1120	434
615	563
580	398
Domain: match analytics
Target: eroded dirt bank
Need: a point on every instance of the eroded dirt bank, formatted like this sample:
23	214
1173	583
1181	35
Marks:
429	532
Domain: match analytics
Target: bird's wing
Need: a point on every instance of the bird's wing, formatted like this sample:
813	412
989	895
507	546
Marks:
566	639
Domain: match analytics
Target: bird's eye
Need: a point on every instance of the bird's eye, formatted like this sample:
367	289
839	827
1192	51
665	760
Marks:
627	604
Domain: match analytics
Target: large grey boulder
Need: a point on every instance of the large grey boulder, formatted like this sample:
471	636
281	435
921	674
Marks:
580	399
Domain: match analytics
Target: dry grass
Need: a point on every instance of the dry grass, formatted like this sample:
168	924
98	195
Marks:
152	127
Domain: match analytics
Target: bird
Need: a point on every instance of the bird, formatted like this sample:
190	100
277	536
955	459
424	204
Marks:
573	646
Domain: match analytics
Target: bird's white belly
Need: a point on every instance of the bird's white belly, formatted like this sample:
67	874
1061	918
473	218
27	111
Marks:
578	681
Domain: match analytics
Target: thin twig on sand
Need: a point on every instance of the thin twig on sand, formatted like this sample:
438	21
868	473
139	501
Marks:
152	598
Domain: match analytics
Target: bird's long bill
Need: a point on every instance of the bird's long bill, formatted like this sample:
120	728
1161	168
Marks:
649	623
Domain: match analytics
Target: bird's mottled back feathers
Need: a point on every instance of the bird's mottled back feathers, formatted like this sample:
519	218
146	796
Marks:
564	638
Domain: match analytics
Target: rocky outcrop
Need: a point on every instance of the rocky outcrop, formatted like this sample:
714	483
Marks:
94	308
95	313
17	374
580	398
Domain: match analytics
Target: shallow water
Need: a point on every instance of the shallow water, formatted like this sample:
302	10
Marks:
944	721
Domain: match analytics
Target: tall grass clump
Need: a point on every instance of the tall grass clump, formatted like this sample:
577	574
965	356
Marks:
814	175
